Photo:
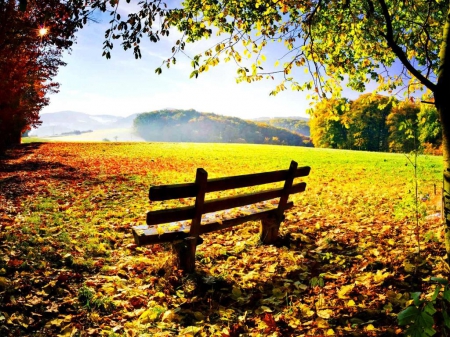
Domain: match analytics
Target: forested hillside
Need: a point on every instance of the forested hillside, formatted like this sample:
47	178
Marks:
193	126
300	126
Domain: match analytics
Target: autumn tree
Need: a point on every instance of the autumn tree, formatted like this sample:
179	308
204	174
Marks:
430	129
404	127
400	44
300	126
33	35
375	123
328	126
366	120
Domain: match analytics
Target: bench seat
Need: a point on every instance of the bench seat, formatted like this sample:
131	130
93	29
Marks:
178	230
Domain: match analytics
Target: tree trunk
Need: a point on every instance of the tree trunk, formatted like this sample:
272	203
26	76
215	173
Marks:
443	107
10	132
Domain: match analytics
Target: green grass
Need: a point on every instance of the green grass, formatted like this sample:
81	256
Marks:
27	140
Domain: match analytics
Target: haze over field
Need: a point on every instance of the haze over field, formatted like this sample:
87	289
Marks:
68	121
72	126
113	135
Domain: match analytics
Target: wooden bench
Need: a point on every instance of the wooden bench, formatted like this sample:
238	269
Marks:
183	225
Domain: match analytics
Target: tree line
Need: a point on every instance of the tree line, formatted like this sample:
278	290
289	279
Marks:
300	126
376	123
193	126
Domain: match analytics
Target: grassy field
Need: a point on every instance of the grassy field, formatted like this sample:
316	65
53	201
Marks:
347	259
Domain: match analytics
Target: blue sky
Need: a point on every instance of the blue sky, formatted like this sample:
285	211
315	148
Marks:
123	85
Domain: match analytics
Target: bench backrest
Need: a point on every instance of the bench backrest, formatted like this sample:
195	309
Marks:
203	185
185	237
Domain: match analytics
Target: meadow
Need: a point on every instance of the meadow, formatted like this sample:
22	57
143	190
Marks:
349	255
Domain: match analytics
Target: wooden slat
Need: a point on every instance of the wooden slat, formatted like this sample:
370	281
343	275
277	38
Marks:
297	188
167	192
246	199
170	215
216	226
184	213
287	188
200	180
147	235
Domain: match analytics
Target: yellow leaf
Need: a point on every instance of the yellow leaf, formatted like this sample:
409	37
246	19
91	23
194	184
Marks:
351	303
265	309
322	323
342	293
294	322
169	316
379	277
56	322
149	316
68	330
190	331
375	252
330	332
325	313
273	268
370	327
409	267
4	282
277	63
306	310
388	307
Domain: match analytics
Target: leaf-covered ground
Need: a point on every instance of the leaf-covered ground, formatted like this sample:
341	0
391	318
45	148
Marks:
347	259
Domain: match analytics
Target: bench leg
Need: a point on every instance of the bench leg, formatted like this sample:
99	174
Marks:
269	230
184	254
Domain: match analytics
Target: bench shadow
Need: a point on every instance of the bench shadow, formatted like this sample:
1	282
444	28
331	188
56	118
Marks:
214	293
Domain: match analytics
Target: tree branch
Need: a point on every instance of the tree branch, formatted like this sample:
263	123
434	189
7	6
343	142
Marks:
398	51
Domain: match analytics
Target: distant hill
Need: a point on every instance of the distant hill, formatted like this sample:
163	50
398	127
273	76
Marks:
295	124
63	122
193	126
